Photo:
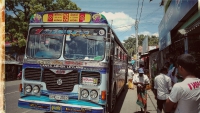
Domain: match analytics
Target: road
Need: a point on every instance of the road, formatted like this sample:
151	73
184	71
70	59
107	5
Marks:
126	103
11	97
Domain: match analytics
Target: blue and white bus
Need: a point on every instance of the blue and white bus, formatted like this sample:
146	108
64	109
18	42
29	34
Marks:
74	62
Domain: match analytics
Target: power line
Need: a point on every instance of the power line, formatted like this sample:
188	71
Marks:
151	13
137	9
124	32
141	10
141	19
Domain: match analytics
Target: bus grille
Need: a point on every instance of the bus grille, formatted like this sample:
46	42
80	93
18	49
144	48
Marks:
32	74
92	75
68	80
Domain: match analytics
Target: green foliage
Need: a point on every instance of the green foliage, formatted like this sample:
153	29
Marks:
17	22
130	43
21	43
7	39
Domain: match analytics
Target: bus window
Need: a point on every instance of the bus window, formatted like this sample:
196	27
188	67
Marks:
44	45
123	56
117	51
120	55
84	44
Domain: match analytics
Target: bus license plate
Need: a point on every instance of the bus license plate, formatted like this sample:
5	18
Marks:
58	97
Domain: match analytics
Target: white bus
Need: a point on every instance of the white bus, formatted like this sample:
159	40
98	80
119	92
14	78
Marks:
74	62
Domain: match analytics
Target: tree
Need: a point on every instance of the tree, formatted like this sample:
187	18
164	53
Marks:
18	13
130	43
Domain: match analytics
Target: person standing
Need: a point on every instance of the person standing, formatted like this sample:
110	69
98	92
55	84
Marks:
173	75
141	81
162	87
171	64
130	78
186	93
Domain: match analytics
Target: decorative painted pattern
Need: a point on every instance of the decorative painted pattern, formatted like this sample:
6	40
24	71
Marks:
68	17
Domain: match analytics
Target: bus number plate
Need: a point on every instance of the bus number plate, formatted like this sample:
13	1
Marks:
58	97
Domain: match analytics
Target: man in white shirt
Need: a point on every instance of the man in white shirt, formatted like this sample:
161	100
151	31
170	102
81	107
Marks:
141	80
162	86
187	92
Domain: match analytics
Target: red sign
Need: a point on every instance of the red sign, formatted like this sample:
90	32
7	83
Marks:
65	17
50	17
81	17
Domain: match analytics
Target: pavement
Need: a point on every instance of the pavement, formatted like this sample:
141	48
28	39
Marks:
130	106
126	102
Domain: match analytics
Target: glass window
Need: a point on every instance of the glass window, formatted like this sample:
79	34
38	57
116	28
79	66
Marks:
45	43
116	52
84	44
120	55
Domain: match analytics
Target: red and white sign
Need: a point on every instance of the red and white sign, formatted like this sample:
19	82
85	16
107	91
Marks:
89	81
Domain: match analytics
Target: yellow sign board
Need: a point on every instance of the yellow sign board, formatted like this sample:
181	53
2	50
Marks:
67	17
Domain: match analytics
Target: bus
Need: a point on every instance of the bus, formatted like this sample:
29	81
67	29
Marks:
74	62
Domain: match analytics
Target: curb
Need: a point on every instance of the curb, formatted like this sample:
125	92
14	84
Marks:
151	102
151	97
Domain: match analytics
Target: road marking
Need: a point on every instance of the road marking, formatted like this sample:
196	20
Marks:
12	92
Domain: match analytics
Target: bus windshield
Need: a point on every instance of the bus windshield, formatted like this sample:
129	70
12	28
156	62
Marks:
79	43
84	44
45	43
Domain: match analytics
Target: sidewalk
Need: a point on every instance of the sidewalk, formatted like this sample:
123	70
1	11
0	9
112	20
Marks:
127	102
130	106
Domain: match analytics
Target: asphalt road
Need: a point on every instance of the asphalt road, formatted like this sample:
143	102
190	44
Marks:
126	103
11	98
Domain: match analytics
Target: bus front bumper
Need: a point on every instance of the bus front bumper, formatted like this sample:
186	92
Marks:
69	106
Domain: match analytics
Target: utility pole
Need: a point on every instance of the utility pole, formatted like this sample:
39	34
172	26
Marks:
136	36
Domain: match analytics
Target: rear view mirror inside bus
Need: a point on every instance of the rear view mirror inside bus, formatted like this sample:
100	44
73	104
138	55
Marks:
67	38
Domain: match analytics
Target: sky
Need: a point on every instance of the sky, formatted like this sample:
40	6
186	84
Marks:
125	12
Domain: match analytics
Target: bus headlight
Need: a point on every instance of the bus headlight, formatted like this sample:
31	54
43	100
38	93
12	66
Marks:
84	93
93	94
28	88
36	89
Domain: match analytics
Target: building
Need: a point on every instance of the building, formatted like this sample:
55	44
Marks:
13	62
179	29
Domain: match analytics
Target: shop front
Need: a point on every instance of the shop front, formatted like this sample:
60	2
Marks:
154	59
153	62
179	30
193	38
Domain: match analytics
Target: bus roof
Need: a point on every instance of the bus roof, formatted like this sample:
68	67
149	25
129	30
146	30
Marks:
68	16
